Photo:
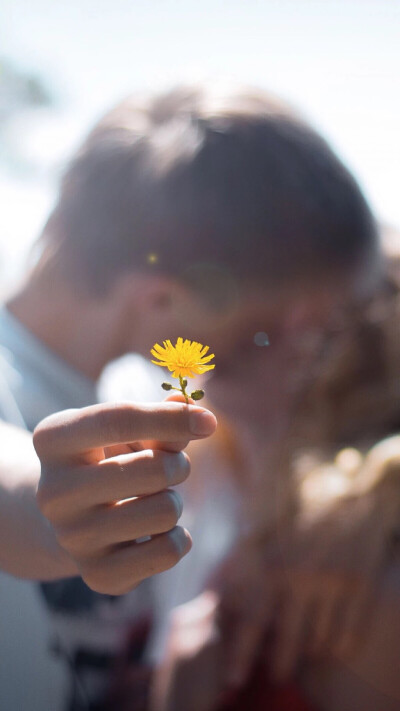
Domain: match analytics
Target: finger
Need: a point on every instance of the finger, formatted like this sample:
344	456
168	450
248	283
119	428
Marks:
169	446
111	480
139	474
177	397
112	525
123	569
74	434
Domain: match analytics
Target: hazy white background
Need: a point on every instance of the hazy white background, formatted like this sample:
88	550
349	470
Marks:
338	60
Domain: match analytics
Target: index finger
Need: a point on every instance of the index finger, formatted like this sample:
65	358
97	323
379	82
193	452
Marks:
80	434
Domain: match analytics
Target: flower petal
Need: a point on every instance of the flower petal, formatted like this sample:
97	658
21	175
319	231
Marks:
208	358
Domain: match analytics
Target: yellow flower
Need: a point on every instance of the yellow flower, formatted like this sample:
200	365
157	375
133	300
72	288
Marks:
185	360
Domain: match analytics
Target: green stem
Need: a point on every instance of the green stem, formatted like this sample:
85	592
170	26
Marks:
183	389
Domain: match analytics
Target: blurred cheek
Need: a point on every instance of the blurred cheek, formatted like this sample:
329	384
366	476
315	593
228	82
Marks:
255	391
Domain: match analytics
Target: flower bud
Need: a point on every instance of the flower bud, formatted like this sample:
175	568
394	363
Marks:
166	386
197	394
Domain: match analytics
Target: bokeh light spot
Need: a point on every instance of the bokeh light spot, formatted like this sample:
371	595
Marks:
261	339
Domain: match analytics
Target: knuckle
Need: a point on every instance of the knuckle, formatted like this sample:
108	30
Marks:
57	497
42	436
96	584
39	439
50	499
44	500
98	580
48	435
78	539
69	539
101	578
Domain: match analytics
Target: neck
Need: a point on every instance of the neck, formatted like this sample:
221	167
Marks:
72	325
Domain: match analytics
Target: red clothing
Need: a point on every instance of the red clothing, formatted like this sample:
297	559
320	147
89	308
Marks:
260	695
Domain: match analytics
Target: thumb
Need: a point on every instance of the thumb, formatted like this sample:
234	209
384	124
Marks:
178	397
170	446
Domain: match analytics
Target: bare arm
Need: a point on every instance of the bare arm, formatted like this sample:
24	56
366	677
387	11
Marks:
28	545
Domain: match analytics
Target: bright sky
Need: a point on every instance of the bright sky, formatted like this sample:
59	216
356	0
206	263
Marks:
337	60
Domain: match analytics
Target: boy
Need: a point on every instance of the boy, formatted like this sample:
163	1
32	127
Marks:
190	215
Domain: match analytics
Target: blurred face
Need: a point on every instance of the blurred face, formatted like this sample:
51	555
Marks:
262	348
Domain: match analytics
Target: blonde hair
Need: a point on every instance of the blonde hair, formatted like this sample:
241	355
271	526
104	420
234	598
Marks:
349	418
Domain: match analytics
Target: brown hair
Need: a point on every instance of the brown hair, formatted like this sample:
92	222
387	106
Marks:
183	179
352	396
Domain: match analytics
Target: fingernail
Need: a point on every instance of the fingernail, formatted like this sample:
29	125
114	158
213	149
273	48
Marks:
175	465
201	422
179	501
182	538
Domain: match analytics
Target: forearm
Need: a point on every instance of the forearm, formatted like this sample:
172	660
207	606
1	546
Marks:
28	546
